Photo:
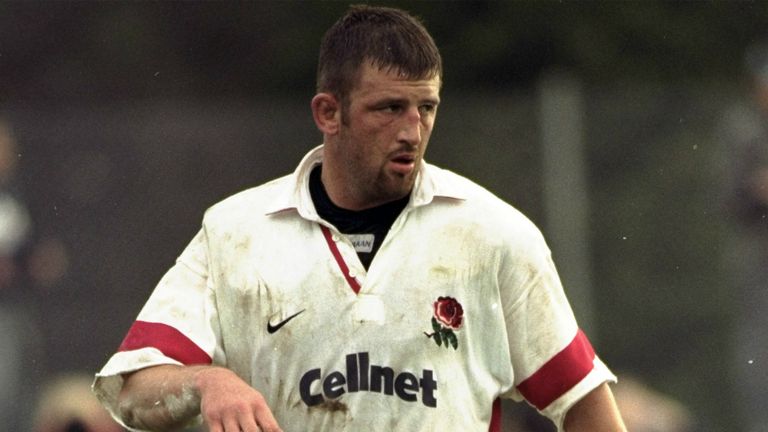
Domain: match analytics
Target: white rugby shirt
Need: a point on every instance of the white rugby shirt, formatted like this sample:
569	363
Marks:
268	289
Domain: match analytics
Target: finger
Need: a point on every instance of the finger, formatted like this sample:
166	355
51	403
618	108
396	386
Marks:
215	427
248	422
231	424
266	420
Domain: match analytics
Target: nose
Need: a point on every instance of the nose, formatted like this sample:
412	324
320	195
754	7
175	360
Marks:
410	130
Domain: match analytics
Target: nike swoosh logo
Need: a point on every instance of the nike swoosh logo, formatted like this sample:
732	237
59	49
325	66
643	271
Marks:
273	328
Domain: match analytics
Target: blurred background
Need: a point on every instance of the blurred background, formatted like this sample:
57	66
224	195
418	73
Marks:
618	127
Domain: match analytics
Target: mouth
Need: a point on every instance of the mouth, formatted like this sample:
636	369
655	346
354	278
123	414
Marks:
403	163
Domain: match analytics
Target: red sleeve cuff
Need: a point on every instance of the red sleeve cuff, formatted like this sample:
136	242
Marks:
165	338
560	374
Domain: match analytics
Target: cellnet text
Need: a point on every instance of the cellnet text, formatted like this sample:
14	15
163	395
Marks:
362	376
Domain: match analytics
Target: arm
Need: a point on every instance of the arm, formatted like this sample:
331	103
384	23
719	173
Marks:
167	397
595	412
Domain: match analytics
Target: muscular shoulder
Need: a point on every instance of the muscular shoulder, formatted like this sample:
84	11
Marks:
494	217
251	205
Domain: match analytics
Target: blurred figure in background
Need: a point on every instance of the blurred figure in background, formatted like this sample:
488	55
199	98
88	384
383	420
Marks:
746	135
18	333
25	263
66	404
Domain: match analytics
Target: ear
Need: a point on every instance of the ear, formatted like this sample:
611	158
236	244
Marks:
326	110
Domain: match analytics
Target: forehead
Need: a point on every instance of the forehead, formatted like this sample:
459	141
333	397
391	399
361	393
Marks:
373	80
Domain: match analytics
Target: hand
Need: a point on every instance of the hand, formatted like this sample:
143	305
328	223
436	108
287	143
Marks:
229	404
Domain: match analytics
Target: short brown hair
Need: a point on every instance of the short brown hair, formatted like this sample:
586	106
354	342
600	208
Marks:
387	37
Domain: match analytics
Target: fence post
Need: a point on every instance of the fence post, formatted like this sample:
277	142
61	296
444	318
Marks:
566	198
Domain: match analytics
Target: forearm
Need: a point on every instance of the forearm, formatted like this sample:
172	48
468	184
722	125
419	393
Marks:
160	398
165	398
596	412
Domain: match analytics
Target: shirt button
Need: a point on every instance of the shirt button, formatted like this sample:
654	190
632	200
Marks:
352	274
335	238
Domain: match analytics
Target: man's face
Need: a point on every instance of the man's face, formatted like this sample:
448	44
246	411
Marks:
388	123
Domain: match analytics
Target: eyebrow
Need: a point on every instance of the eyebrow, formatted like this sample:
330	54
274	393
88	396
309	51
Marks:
403	101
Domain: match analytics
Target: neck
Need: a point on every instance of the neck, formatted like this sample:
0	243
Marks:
339	191
344	194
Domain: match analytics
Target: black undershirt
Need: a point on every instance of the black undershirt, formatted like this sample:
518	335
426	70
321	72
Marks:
375	221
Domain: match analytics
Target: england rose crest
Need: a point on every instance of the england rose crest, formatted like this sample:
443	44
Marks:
448	316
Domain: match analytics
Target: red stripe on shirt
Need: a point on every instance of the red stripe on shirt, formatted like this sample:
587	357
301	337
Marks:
495	417
560	374
167	339
340	260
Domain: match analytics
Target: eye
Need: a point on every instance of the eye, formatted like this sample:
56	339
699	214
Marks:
391	108
427	108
